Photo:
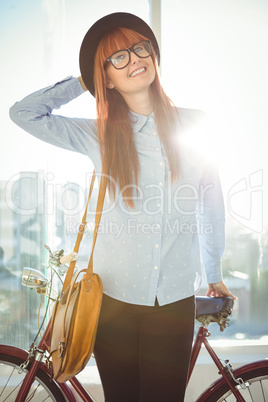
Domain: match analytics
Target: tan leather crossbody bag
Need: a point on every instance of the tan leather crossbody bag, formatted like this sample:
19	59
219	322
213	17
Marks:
76	312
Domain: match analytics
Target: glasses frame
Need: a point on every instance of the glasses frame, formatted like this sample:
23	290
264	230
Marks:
129	50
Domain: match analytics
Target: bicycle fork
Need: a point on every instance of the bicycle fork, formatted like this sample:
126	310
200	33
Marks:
224	369
37	354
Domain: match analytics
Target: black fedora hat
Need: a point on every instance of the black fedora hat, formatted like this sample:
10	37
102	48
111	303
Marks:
98	30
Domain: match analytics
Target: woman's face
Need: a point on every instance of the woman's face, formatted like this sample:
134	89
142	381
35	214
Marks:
135	78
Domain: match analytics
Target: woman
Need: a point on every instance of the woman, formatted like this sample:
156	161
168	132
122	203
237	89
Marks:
159	193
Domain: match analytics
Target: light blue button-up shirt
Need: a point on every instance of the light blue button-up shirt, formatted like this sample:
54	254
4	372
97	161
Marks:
155	249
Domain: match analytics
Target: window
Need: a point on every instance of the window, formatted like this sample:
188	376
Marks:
212	59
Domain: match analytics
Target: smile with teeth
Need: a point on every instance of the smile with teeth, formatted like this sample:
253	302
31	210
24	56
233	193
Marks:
140	70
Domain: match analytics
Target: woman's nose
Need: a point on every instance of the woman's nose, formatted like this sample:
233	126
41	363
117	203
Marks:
134	58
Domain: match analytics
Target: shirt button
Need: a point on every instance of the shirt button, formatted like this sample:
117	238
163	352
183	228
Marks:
160	184
155	267
158	226
157	246
161	163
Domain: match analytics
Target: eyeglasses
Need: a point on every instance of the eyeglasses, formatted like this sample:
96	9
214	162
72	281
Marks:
121	58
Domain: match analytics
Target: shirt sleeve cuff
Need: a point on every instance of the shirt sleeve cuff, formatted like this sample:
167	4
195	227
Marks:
69	85
214	277
72	87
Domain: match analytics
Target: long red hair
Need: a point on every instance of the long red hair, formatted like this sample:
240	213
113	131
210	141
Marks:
119	155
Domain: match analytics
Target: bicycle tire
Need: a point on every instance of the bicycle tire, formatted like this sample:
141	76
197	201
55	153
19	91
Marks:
257	389
43	389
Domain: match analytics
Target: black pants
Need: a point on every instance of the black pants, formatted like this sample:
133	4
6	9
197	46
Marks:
142	352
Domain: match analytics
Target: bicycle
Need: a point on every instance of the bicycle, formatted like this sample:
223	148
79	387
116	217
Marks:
26	376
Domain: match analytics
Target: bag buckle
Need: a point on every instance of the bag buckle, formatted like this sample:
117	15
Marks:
61	348
82	228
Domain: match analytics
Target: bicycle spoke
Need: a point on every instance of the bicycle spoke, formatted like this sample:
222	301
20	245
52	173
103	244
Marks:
7	381
11	380
262	390
6	384
29	398
35	391
249	391
12	392
32	395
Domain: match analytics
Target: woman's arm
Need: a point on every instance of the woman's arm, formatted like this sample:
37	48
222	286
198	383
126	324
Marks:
35	115
211	218
212	240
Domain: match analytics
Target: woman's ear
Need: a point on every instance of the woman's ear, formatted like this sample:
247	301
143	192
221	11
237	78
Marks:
109	84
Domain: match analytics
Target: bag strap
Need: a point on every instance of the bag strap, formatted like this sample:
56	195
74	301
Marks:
101	196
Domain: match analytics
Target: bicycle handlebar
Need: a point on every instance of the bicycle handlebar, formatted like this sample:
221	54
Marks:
68	258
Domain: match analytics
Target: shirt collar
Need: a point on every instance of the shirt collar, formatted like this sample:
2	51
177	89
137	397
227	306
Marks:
138	120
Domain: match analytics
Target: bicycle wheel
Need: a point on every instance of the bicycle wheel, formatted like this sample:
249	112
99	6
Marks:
43	389
256	380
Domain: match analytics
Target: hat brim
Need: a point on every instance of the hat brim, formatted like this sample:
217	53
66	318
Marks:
98	30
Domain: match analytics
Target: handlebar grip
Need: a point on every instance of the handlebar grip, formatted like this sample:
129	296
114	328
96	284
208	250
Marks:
68	258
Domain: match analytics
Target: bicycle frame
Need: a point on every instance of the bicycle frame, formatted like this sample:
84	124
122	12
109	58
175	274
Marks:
201	338
227	375
39	358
